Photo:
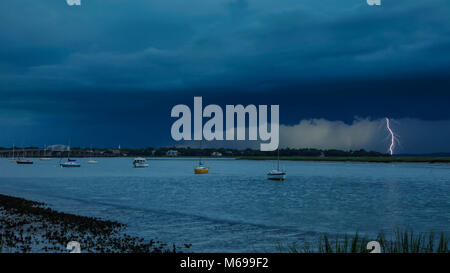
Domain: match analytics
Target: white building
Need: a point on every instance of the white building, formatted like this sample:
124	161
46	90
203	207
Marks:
172	153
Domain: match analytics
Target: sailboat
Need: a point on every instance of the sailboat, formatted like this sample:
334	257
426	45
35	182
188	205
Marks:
201	168
45	158
13	159
278	174
91	161
71	163
23	161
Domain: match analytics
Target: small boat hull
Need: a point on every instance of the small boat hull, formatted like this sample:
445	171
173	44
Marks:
140	165
201	170
45	159
70	165
24	162
92	162
277	176
140	162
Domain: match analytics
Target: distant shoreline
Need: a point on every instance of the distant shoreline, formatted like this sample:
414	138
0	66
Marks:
355	159
400	159
305	154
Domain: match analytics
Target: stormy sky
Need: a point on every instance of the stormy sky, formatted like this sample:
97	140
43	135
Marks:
106	73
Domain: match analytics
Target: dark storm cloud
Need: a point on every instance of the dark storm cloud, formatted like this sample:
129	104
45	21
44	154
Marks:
163	46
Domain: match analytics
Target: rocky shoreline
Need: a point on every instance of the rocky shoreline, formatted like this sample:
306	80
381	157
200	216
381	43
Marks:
29	226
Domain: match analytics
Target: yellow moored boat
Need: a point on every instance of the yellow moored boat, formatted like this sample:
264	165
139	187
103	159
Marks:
200	169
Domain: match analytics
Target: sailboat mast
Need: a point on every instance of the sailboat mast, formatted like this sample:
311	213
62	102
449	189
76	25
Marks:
201	153
68	151
278	161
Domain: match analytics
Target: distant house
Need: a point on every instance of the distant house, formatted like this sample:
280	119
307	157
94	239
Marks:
216	154
172	153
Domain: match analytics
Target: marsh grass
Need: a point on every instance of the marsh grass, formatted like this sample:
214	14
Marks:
400	242
409	242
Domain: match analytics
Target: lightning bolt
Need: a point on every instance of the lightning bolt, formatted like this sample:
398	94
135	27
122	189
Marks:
392	146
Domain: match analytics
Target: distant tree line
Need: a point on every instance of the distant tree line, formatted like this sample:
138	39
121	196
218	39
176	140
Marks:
188	151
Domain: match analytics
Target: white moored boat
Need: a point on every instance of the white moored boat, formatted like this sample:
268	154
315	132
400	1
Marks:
277	174
46	157
70	163
23	161
140	162
91	161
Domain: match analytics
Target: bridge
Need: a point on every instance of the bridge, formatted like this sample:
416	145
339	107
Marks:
35	152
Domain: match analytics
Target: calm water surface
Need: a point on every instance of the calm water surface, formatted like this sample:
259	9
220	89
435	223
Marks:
234	208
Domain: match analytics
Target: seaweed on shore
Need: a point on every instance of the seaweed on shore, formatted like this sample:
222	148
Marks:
29	226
